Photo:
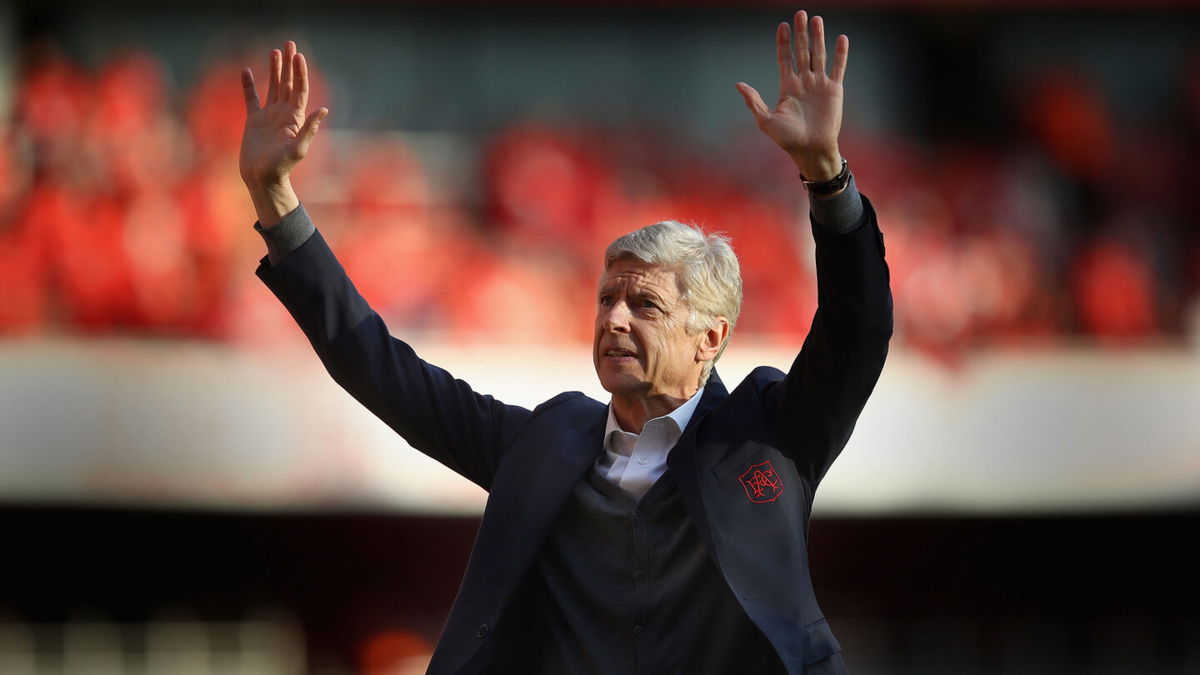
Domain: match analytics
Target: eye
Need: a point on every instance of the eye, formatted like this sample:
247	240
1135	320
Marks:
647	304
605	300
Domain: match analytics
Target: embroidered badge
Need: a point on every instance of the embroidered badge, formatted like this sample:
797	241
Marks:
761	483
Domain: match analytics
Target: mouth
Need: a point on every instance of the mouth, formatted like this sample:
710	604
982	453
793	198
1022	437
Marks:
618	354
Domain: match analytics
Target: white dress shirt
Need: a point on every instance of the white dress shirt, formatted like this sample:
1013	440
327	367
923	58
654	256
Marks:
634	462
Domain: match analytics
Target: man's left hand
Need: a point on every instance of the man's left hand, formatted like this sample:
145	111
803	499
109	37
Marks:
808	117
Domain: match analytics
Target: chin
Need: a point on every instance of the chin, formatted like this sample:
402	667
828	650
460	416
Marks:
615	383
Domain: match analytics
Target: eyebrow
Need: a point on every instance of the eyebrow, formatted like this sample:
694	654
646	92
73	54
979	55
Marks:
642	292
647	293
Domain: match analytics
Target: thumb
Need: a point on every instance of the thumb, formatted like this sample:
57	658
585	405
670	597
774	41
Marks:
309	131
753	101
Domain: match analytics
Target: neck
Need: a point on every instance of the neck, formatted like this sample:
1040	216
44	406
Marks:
632	412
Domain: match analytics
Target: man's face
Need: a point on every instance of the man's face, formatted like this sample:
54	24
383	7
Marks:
642	346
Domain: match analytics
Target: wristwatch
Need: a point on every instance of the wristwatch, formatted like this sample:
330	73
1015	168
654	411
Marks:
825	188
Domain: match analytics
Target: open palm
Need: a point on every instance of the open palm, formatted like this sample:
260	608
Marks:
808	117
277	135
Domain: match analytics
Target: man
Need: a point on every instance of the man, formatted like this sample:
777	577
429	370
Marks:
665	532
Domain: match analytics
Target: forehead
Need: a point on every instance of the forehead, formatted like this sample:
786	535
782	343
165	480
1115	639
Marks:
640	275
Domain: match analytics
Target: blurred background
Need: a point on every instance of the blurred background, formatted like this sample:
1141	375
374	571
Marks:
184	490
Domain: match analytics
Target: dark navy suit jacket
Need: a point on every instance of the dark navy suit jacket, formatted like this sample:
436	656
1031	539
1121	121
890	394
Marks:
746	466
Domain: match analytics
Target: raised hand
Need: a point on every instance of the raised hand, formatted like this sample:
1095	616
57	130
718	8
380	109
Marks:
277	135
808	117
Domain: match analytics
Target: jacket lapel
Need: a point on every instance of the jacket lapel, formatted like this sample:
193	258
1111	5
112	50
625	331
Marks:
682	459
534	479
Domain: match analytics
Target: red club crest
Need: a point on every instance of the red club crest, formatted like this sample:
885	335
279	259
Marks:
761	483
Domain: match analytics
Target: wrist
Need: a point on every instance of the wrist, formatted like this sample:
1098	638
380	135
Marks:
828	188
272	200
819	167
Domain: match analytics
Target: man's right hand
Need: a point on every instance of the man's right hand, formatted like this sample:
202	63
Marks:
277	135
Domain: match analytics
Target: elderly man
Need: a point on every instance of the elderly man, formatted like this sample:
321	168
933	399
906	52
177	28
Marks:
662	533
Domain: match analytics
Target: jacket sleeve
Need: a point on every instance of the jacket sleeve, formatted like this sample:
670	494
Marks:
437	414
818	402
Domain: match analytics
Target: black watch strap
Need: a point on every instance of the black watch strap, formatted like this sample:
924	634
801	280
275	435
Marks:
825	188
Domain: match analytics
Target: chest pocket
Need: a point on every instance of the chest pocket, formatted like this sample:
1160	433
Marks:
741	459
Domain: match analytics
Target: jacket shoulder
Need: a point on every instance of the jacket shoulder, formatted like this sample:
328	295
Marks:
759	380
574	401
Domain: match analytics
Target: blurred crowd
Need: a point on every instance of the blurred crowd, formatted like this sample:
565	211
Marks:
121	211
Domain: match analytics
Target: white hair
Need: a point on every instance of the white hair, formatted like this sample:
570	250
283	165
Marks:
708	273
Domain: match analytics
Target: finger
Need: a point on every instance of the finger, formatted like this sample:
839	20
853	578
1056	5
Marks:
273	85
249	92
818	45
841	53
309	131
802	41
285	80
300	85
783	52
753	101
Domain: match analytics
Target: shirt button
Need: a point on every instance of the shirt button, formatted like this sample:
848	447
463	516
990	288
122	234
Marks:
643	460
638	574
483	630
637	630
637	514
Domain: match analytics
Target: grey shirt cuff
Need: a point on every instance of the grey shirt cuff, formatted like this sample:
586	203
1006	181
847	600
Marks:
839	213
287	235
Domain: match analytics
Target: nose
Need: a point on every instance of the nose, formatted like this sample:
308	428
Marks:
615	319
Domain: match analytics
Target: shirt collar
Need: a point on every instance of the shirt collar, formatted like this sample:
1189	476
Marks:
681	416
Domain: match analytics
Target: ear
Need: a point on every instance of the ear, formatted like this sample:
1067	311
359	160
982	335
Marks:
712	339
